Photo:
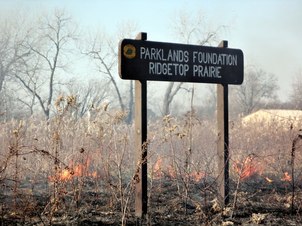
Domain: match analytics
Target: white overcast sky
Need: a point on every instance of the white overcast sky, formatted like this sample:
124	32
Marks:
268	31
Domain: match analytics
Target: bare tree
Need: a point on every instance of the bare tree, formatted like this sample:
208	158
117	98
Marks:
189	29
169	96
296	91
104	54
258	87
89	95
102	49
48	45
11	52
194	28
12	37
7	54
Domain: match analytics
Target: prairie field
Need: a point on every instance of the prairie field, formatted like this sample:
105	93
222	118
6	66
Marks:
80	171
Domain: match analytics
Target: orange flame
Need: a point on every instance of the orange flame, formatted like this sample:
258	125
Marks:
197	176
157	168
171	172
94	174
69	173
286	177
247	168
65	175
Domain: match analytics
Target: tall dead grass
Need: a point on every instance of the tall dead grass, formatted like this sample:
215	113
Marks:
97	154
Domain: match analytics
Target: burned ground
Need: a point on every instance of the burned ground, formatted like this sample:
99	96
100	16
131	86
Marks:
257	203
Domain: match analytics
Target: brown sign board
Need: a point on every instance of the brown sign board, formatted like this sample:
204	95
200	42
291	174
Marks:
158	61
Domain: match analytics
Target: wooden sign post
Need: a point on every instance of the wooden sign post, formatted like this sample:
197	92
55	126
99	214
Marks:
223	140
141	198
143	60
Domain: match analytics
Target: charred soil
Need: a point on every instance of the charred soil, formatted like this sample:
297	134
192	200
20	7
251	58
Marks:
257	203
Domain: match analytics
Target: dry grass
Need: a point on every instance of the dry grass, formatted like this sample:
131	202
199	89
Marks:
65	158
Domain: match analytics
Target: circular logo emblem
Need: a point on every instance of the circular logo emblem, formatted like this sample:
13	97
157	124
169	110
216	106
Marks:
129	51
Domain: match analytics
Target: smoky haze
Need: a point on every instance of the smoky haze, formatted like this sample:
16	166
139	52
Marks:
268	32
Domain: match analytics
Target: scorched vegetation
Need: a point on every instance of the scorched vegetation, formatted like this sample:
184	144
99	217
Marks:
69	170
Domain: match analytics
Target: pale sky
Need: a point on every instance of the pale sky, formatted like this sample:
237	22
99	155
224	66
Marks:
269	32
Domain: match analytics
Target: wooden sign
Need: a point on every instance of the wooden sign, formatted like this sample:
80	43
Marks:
159	61
142	60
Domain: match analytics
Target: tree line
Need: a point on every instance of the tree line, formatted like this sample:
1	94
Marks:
45	57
